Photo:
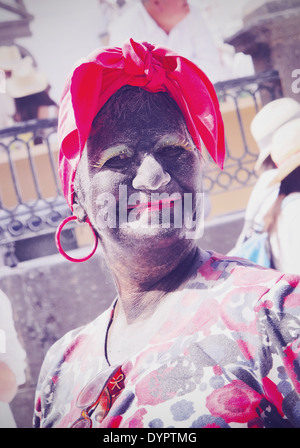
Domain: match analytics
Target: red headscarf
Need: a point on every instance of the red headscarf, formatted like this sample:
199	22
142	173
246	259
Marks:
96	78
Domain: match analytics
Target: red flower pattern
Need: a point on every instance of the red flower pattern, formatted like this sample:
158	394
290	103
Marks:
235	402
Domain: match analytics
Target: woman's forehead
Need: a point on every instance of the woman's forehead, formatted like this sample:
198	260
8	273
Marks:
134	103
137	135
131	118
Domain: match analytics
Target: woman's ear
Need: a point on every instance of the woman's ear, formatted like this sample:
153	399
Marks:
78	210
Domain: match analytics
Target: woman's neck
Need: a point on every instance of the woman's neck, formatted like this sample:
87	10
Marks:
143	281
140	312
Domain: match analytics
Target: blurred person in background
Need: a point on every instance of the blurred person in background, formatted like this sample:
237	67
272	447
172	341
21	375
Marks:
273	206
30	90
10	56
173	24
285	219
12	362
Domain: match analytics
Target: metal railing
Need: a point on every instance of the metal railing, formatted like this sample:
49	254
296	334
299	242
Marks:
255	91
31	201
26	208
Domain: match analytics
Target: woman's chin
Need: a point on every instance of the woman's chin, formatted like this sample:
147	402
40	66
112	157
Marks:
138	238
139	231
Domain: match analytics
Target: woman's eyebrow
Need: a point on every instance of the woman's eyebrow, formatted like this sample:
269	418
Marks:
171	140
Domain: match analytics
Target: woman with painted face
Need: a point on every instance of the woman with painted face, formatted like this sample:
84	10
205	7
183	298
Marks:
193	338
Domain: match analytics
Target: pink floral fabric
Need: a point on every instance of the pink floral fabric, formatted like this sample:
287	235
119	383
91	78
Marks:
226	355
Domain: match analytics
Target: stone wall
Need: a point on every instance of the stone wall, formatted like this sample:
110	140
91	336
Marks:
271	35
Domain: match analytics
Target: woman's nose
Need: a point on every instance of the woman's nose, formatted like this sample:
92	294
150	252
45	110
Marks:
150	175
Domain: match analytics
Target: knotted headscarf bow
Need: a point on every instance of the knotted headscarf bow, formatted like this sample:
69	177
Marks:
156	69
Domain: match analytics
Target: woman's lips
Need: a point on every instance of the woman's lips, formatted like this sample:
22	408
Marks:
153	205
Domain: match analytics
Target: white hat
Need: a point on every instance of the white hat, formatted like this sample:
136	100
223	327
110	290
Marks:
25	80
285	150
10	56
268	120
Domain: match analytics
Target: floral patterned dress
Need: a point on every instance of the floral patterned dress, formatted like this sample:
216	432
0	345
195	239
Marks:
225	355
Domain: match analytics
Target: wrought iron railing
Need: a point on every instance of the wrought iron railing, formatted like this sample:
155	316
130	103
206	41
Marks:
31	202
253	91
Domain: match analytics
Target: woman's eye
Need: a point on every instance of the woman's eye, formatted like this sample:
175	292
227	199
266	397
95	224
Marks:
171	151
117	161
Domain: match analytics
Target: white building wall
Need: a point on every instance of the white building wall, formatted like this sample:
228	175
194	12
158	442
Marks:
63	31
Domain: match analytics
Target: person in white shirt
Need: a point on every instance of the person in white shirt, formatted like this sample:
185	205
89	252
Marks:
172	24
12	362
274	204
263	126
285	235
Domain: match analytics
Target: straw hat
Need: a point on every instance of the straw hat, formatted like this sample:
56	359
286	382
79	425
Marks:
10	56
268	120
25	80
285	150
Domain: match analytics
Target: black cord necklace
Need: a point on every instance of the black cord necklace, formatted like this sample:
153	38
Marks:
107	331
